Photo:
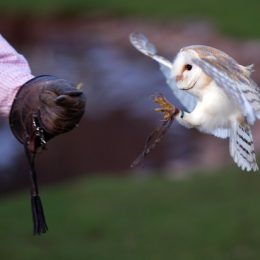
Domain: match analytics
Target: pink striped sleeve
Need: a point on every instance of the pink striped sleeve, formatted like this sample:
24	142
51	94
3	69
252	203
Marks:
14	72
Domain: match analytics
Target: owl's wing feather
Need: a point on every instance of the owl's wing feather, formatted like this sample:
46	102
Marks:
241	147
219	132
142	44
236	83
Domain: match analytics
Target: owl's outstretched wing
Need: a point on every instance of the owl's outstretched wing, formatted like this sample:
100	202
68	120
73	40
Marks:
235	80
142	44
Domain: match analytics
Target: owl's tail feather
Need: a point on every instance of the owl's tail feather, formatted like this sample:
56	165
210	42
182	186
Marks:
241	147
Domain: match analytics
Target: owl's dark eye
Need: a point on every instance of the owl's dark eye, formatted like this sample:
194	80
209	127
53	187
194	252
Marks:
188	67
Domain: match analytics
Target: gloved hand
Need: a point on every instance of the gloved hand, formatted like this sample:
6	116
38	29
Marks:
44	107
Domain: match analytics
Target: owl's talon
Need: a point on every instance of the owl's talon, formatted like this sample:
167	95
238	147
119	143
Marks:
168	110
159	110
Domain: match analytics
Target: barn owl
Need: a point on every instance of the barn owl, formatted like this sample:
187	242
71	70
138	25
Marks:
217	93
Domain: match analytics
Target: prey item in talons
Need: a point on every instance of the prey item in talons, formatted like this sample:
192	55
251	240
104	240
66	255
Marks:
158	133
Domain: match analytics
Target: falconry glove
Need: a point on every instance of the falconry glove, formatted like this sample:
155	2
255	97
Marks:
43	108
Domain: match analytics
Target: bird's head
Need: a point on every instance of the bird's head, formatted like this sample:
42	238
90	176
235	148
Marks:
187	74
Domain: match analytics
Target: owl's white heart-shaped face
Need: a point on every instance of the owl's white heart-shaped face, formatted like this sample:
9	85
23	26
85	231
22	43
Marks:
189	76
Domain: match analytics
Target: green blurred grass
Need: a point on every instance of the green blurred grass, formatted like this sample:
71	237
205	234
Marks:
236	17
204	217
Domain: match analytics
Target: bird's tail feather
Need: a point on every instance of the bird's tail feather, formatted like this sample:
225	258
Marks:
241	147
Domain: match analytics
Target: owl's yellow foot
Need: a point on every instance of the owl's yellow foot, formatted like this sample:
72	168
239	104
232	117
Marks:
168	109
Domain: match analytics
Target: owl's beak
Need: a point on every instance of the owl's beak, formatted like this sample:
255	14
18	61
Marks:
179	78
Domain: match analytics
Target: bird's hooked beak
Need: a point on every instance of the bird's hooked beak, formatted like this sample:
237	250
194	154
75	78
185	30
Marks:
179	78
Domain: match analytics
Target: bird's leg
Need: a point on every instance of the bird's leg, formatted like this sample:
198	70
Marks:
183	119
189	120
170	112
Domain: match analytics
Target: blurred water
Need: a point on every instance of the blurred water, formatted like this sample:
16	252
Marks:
114	79
9	147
